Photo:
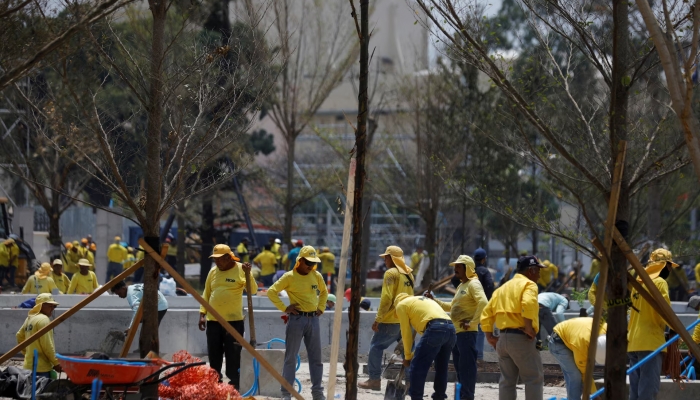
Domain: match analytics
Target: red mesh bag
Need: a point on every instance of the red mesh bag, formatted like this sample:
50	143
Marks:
196	383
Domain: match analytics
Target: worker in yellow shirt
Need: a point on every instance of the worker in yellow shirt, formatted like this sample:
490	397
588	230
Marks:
307	301
569	345
595	267
84	247
267	263
223	290
694	303
511	322
9	260
697	277
59	278
38	318
437	340
70	260
130	258
242	250
116	255
416	259
328	268
275	245
40	282
85	281
646	329
397	279
465	310
547	274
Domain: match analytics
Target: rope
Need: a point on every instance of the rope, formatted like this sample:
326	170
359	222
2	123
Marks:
255	389
672	362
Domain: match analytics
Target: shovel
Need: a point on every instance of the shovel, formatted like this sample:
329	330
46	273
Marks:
396	390
251	319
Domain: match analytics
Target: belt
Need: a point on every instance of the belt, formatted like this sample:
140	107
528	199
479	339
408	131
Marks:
513	330
438	321
306	314
554	337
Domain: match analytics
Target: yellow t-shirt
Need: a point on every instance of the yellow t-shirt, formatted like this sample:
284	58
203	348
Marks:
116	253
394	283
416	259
62	282
327	263
83	284
91	258
70	261
308	291
224	291
44	345
696	333
646	327
576	335
35	285
697	275
242	253
267	261
467	305
414	313
275	249
510	304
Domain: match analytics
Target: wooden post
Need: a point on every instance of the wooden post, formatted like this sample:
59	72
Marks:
340	286
603	279
672	320
251	319
185	285
57	321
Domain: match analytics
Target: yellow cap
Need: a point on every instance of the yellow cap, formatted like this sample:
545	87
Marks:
468	263
397	256
117	239
41	299
222	250
84	241
84	262
57	262
309	253
657	262
43	271
9	241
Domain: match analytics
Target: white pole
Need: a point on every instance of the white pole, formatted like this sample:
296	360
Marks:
340	287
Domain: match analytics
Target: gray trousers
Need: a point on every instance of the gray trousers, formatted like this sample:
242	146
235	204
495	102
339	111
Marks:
308	329
517	356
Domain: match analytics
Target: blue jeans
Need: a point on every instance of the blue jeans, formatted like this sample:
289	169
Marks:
386	335
306	328
435	345
480	337
645	380
267	279
572	375
464	357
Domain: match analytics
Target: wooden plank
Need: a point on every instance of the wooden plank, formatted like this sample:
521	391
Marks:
185	285
673	320
57	321
616	183
340	286
251	319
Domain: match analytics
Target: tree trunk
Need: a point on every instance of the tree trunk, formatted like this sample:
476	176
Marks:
351	364
54	215
207	237
366	237
148	340
616	349
289	199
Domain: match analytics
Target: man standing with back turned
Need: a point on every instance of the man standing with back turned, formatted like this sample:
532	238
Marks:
513	310
397	279
482	271
307	300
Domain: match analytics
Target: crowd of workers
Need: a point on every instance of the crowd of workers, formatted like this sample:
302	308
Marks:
509	317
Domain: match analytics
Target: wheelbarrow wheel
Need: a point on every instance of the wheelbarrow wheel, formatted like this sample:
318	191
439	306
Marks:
62	389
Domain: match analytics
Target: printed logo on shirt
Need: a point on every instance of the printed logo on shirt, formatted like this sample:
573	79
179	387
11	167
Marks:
230	280
29	328
314	287
463	292
406	282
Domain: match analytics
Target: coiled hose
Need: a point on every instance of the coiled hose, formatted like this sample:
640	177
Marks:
256	371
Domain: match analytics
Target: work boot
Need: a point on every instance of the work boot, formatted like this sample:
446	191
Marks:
371	384
319	396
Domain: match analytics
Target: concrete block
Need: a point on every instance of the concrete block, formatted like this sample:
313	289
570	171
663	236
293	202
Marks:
268	385
669	389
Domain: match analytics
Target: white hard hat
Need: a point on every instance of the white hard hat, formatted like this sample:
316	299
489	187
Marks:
278	241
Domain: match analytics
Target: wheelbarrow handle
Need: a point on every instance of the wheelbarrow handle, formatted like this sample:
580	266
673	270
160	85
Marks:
183	366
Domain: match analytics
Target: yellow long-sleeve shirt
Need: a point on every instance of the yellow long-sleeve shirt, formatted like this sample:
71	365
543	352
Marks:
91	258
62	282
35	285
223	290
267	261
510	304
576	335
548	274
394	283
275	249
308	291
414	313
242	252
646	327
83	284
70	261
116	253
327	263
696	333
595	268
697	275
44	345
467	305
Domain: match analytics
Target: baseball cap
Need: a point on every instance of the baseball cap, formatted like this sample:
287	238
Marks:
221	250
331	297
69	245
84	241
278	241
300	242
309	253
117	238
397	257
529	261
57	261
479	254
694	302
464	260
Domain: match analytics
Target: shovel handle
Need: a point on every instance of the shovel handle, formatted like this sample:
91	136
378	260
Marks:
251	319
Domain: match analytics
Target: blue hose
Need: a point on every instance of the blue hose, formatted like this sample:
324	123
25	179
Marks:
649	357
256	370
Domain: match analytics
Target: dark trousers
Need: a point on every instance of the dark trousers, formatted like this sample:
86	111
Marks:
464	357
220	343
3	273
267	279
434	346
547	321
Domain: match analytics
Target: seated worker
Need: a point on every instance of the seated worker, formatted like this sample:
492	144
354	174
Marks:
38	318
330	302
59	278
552	307
85	281
40	282
133	294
